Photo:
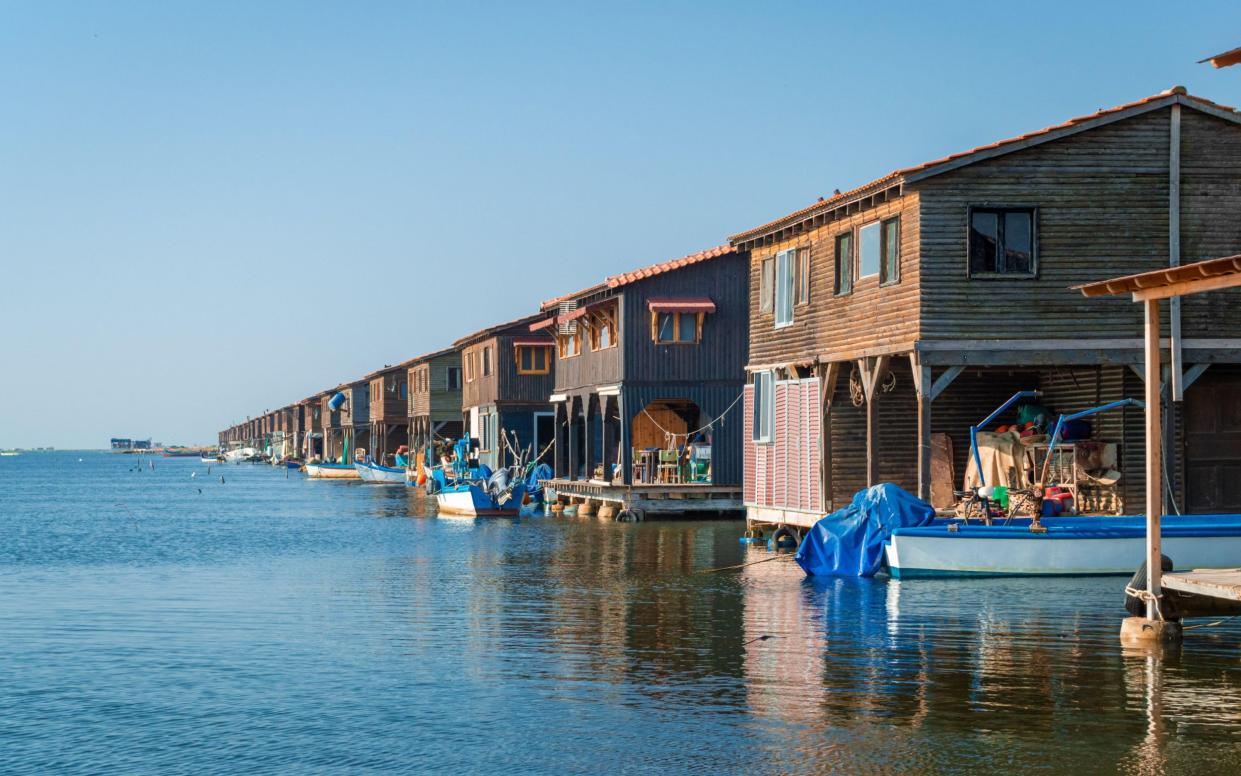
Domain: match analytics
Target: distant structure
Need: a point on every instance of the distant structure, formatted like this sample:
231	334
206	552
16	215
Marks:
130	444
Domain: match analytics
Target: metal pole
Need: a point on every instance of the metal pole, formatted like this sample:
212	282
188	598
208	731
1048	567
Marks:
1154	460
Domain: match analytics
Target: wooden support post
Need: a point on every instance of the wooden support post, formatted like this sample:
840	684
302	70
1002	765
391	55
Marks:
1174	247
827	390
872	369
1154	458
922	387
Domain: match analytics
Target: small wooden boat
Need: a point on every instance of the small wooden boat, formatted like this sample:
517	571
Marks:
370	471
1070	546
240	454
290	463
212	459
331	471
472	499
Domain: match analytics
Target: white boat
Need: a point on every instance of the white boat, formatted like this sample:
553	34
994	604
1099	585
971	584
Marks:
383	475
9	453
239	454
331	471
1071	546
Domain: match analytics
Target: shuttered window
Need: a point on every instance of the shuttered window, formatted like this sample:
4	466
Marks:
764	406
785	287
802	267
766	285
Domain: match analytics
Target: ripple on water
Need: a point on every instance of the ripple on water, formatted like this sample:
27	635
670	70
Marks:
273	624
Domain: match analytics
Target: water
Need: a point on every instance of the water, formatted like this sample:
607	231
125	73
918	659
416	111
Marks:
282	625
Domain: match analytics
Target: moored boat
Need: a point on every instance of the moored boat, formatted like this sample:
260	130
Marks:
472	499
370	471
239	454
1070	546
331	471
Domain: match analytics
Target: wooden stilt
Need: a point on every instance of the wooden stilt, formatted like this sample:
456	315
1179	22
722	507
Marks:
922	386
1154	459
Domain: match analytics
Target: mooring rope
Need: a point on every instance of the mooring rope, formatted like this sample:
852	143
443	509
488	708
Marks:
688	434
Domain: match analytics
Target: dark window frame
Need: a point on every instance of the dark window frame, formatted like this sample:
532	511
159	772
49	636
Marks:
846	287
1000	211
883	251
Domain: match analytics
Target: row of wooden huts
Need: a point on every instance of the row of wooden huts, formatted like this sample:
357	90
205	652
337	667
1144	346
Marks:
857	339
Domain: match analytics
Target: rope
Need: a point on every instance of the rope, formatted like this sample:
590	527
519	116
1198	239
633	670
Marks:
743	565
1147	596
688	434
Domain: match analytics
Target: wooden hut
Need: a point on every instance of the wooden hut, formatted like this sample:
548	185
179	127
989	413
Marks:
333	427
388	390
312	421
893	316
649	369
501	404
434	409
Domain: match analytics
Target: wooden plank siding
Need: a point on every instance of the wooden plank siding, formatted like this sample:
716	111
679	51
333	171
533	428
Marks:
435	400
388	392
832	327
1210	227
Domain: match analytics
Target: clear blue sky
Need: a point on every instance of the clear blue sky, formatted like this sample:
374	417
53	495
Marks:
211	209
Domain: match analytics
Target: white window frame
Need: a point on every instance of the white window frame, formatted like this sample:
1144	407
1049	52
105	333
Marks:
786	288
764	407
877	226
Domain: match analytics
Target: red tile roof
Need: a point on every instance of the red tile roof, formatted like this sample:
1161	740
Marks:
1175	94
625	278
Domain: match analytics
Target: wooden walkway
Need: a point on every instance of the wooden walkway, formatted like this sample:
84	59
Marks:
664	499
1213	583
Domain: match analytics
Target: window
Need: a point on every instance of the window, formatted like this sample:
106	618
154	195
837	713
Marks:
486	432
486	361
570	344
404	390
802	271
766	285
868	250
469	367
844	263
452	373
1002	241
785	282
603	329
676	328
764	406
890	251
533	360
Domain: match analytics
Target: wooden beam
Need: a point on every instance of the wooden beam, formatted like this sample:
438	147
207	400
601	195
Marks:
830	374
1185	287
1192	374
872	371
1174	245
924	390
1154	458
945	380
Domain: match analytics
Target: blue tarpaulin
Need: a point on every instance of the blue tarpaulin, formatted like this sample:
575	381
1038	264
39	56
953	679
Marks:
849	541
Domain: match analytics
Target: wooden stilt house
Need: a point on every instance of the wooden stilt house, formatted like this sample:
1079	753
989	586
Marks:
434	408
503	402
888	319
388	390
649	367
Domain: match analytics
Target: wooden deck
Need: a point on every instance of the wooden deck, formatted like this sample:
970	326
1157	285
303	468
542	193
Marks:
1214	583
662	499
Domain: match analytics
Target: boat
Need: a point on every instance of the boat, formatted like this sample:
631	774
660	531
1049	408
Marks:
9	453
211	459
476	491
331	471
290	463
369	471
1070	546
180	453
239	454
473	499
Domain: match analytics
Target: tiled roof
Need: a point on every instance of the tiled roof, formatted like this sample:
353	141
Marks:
1176	94
522	323
625	278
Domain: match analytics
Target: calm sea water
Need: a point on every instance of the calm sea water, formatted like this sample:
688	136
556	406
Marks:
158	621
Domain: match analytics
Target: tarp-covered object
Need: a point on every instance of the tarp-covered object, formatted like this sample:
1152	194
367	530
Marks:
849	541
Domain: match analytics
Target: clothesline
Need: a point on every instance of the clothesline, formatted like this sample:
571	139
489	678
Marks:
696	431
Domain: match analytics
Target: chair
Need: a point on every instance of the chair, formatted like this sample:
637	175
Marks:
669	466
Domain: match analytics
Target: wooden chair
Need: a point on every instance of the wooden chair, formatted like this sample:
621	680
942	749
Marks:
670	466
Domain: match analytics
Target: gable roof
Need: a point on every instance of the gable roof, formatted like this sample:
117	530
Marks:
1174	96
626	278
1229	57
521	324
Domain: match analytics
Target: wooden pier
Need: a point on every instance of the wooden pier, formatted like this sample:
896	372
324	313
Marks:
658	499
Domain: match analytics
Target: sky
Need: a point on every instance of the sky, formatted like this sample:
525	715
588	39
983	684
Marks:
213	209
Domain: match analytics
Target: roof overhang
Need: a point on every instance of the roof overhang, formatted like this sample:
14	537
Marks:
681	305
1209	275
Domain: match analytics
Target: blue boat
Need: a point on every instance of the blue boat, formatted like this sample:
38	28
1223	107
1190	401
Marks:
369	471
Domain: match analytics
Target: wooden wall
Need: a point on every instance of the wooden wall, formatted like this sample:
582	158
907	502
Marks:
513	387
839	327
592	367
389	406
721	355
437	401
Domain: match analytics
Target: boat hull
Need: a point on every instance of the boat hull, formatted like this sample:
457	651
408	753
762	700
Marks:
380	475
473	501
331	471
1071	547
